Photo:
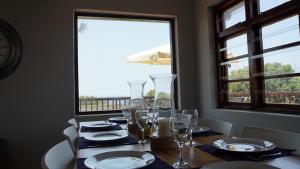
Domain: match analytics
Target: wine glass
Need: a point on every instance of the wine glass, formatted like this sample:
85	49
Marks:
179	127
142	119
127	114
193	118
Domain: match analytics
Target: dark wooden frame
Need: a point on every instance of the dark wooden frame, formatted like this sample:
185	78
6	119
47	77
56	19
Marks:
171	20
16	49
251	27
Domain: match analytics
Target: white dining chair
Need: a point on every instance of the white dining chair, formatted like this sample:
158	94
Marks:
216	125
73	122
283	139
71	134
238	165
59	156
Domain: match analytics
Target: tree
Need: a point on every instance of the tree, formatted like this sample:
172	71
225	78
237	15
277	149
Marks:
150	93
87	97
290	84
239	87
161	95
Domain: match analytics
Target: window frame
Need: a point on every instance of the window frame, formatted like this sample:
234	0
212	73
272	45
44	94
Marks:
173	37
252	27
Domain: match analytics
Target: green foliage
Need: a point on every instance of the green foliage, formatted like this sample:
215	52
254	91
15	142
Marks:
291	84
280	84
161	95
150	93
239	87
240	73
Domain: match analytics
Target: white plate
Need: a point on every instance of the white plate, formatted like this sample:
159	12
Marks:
106	136
200	129
118	119
244	145
119	160
100	124
238	165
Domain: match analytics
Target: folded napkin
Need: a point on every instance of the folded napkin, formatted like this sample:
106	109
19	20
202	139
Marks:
84	143
157	164
206	133
245	156
93	129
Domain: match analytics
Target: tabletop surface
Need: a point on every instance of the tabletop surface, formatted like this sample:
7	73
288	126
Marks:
193	155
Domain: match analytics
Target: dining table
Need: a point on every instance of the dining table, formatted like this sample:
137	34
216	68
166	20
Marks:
195	156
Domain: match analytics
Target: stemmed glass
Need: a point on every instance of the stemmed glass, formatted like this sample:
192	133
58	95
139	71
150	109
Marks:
142	119
193	118
127	115
179	127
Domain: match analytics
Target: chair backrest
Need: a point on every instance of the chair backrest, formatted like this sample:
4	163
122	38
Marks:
73	122
59	156
283	139
216	125
72	135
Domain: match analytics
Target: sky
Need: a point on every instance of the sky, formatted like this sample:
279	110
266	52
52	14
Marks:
102	50
275	34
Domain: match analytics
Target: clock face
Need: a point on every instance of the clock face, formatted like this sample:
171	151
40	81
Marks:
4	48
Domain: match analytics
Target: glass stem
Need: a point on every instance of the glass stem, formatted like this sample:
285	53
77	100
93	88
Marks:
180	153
191	136
143	136
126	127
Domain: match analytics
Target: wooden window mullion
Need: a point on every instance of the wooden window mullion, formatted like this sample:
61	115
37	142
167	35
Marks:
256	67
220	56
254	48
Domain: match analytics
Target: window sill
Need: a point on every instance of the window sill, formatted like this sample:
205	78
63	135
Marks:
271	109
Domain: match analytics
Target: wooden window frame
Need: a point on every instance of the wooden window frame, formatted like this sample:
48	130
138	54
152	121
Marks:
171	20
252	28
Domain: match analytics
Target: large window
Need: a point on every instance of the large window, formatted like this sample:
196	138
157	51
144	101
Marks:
111	50
258	54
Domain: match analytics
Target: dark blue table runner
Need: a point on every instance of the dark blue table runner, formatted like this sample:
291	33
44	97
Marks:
206	133
118	121
244	156
95	129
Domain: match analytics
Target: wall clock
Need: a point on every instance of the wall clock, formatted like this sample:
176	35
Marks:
10	49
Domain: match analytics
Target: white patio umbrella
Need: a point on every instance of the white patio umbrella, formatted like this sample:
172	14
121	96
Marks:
157	56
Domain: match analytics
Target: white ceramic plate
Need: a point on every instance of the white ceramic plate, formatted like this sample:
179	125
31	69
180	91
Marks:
118	119
238	165
106	136
119	160
200	129
244	145
100	124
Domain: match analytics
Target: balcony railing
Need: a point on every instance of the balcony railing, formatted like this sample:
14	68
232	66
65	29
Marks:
271	97
106	103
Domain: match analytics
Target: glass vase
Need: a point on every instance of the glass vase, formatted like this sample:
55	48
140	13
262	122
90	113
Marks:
163	111
137	94
136	103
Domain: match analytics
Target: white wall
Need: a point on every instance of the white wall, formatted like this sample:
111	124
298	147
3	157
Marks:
37	99
207	80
